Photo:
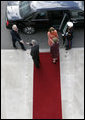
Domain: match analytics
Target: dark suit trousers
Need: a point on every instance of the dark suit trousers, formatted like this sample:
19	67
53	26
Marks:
37	62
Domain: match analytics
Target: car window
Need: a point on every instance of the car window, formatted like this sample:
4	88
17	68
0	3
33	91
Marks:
63	25
64	30
24	8
55	16
41	15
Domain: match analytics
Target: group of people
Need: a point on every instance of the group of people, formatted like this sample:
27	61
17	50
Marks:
34	46
53	42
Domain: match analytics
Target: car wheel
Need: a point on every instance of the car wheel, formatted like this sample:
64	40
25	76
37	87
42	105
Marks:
29	30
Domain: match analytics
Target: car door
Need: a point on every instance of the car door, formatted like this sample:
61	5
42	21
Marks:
63	25
40	20
55	17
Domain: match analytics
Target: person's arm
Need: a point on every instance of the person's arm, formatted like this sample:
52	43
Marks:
27	43
49	38
22	41
19	38
56	34
30	44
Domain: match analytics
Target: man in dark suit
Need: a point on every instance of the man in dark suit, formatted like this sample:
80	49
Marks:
35	53
16	37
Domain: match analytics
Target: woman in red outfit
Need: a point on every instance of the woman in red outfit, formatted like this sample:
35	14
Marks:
54	46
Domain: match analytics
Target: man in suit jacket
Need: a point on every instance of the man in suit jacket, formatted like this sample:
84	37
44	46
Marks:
35	53
16	37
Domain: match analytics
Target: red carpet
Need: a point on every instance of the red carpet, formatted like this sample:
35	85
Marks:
47	91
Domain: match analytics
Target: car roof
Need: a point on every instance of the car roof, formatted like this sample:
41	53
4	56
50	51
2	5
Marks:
38	5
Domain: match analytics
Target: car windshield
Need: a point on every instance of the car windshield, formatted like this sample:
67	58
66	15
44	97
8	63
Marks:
24	7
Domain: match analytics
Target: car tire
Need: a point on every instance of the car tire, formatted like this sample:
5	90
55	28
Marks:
29	30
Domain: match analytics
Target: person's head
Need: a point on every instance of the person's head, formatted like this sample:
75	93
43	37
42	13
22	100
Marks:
14	27
51	29
70	25
34	42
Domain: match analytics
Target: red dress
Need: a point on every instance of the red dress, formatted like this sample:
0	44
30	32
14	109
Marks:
54	48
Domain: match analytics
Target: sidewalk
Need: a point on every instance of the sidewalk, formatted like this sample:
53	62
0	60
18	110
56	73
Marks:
72	83
17	84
